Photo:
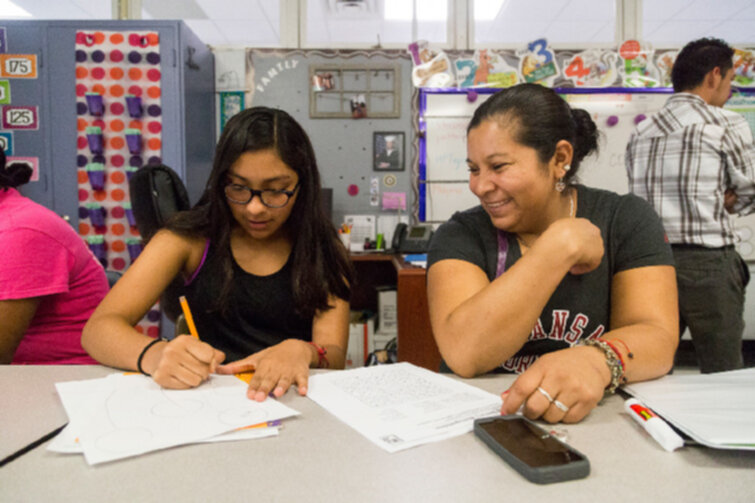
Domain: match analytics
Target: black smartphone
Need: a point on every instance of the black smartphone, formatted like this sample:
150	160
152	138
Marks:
530	450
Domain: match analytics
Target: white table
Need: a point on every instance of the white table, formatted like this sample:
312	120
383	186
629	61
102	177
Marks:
318	458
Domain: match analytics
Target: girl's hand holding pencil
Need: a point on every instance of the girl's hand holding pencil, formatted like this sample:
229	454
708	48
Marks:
185	362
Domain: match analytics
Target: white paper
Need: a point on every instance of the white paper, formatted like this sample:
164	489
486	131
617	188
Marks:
67	441
230	70
124	415
400	405
362	228
717	410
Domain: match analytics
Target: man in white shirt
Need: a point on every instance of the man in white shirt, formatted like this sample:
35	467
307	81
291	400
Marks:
695	163
388	159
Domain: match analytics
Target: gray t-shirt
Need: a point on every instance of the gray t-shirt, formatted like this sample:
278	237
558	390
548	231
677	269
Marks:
581	305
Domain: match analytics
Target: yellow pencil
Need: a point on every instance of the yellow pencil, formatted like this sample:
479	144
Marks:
187	315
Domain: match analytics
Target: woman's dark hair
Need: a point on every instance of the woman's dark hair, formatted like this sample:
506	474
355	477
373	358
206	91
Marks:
540	118
14	174
320	263
696	59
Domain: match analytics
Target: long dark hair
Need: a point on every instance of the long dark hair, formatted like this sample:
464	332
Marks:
320	263
13	175
540	118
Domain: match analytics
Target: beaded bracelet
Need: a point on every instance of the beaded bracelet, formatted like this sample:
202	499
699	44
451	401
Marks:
618	353
612	360
621	358
321	352
141	356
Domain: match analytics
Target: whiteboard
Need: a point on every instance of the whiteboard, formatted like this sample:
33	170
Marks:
444	115
615	115
445	199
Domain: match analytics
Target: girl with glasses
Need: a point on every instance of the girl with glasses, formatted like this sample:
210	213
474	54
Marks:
261	267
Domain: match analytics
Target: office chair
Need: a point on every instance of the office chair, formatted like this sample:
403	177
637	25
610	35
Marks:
157	193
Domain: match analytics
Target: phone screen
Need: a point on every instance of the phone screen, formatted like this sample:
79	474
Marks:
529	443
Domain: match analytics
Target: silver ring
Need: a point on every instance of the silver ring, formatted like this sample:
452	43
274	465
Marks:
545	394
561	406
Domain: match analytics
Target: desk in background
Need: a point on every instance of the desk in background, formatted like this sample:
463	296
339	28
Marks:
318	458
415	338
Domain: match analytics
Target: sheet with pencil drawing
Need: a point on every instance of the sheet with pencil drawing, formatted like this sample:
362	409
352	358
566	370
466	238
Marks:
401	405
125	415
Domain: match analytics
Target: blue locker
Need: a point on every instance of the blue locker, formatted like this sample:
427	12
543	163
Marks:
188	104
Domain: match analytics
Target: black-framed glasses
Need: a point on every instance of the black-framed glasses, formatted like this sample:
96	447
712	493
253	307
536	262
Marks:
272	198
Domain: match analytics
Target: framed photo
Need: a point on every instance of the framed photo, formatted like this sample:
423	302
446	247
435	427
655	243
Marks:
388	151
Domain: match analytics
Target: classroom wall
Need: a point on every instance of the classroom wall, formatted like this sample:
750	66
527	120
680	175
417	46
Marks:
343	146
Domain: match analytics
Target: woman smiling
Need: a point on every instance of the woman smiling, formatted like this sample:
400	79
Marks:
569	286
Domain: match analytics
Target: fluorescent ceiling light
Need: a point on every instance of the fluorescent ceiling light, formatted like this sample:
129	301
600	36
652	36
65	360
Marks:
8	10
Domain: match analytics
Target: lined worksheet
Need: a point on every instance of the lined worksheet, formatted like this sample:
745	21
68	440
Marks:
401	405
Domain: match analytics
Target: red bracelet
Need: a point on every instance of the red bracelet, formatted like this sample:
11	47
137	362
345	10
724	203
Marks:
630	355
618	355
621	358
321	352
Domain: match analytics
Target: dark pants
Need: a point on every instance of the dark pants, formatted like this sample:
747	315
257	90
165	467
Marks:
711	303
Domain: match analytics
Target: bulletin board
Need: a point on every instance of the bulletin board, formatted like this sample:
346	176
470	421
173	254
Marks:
119	124
445	113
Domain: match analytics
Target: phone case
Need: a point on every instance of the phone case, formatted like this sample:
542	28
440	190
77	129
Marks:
539	475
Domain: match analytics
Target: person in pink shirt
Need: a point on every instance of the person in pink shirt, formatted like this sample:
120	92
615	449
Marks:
50	282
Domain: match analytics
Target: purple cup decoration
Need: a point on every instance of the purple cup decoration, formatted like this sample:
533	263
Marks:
134	248
97	245
134	140
96	173
94	138
95	104
130	170
96	214
129	214
134	104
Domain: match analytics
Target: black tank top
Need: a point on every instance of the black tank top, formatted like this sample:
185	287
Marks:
260	312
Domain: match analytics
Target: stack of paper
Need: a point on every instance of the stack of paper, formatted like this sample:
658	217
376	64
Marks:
717	410
125	415
400	405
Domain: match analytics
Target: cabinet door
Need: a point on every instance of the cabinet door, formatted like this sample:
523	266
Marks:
60	76
25	118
